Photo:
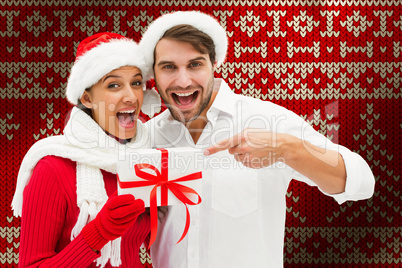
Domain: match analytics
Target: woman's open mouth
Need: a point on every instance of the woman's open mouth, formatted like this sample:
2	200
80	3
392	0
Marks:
185	99
126	118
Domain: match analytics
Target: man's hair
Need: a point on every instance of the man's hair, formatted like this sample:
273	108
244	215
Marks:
201	42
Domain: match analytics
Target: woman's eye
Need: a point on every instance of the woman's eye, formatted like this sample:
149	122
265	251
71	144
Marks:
137	83
112	85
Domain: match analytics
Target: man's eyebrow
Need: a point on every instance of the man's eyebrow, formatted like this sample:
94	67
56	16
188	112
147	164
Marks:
198	58
164	62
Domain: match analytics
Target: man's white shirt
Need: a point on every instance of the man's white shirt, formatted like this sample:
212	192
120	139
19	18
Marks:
241	220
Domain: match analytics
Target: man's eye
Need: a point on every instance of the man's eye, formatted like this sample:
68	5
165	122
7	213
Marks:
195	64
168	67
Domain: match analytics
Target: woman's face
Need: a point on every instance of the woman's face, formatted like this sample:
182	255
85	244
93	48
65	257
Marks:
116	100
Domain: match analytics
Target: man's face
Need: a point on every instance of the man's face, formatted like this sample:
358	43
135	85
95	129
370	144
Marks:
184	78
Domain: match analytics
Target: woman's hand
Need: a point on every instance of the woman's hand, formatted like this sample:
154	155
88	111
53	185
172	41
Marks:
116	216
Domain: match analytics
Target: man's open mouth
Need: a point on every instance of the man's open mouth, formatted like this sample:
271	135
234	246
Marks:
185	98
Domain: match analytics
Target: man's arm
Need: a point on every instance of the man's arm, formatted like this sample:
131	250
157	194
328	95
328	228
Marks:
257	148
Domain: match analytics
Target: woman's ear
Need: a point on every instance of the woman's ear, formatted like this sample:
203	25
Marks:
86	100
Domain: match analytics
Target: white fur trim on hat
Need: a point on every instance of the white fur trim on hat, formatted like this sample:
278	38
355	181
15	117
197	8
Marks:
89	68
197	19
152	102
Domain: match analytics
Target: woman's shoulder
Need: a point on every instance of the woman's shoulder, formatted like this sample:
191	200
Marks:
56	168
57	162
55	171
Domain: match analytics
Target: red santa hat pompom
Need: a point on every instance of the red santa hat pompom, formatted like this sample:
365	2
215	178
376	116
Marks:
197	19
100	54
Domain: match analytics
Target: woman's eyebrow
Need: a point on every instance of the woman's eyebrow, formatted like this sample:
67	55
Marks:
118	76
110	76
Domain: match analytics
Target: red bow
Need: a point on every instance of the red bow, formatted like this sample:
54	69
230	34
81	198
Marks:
161	180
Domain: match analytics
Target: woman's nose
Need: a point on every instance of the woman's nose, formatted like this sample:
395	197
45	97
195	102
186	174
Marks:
129	95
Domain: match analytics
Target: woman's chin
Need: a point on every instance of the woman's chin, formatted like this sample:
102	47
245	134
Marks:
126	130
124	133
127	134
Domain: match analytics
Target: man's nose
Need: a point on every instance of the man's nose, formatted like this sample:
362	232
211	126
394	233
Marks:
183	78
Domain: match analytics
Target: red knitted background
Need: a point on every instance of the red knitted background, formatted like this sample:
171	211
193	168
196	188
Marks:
336	63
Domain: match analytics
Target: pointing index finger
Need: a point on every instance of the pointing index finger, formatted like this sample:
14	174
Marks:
222	145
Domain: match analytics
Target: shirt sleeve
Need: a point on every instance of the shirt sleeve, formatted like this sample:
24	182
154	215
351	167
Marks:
43	218
360	180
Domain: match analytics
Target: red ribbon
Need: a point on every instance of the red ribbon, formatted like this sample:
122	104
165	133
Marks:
161	180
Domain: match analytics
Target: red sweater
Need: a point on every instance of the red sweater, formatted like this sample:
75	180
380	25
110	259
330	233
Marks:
50	212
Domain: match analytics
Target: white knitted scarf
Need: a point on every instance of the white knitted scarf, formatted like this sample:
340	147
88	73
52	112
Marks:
92	149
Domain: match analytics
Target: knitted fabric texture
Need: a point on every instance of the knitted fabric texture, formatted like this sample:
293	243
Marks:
92	149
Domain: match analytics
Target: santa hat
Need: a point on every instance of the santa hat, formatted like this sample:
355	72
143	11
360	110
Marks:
100	54
203	22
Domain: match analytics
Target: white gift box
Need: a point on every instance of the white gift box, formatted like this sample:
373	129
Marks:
181	168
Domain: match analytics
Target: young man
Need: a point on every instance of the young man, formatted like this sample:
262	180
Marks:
257	147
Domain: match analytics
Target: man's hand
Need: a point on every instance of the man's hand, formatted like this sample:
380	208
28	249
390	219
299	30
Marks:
255	148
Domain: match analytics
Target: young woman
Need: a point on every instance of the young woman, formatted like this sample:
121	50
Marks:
66	187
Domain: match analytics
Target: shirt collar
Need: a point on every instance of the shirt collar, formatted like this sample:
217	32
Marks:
224	99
